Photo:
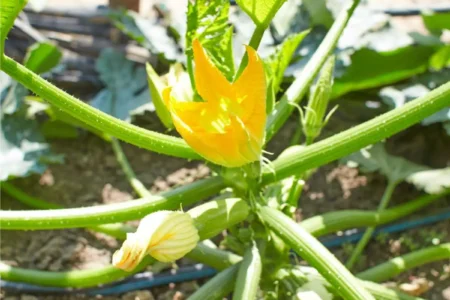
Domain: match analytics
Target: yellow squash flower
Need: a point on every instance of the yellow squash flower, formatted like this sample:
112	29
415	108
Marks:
165	235
228	127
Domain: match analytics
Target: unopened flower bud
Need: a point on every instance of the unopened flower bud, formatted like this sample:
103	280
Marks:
165	235
315	119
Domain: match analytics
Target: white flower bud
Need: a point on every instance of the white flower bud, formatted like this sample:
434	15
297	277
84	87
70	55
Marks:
165	235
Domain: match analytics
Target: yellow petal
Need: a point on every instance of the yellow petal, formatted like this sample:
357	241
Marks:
227	129
251	93
209	81
165	235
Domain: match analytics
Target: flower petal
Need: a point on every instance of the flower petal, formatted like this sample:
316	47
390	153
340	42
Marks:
251	93
211	84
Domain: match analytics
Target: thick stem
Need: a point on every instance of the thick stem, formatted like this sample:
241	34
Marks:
76	279
314	253
249	274
387	195
360	136
400	264
127	132
118	212
219	286
213	257
118	231
137	185
379	291
300	86
341	220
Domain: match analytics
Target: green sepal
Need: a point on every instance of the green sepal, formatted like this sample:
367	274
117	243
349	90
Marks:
156	87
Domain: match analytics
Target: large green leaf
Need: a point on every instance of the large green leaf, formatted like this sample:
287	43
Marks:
261	12
147	32
207	21
42	57
9	10
12	94
126	86
23	150
318	12
375	158
436	22
431	181
278	62
441	59
398	95
370	68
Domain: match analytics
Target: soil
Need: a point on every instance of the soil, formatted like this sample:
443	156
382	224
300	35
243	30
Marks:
92	176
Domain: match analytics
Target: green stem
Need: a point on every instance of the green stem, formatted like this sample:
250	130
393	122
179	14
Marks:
249	274
127	132
117	230
406	262
75	279
94	277
341	220
26	199
219	286
255	40
207	253
314	253
137	185
379	291
300	86
370	230
118	212
358	137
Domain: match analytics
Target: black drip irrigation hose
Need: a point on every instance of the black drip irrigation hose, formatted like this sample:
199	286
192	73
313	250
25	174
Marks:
146	280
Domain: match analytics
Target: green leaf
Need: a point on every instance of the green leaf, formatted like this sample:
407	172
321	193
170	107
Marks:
319	13
56	129
270	98
441	58
371	69
42	57
147	32
277	63
207	21
9	10
23	150
431	181
261	12
126	86
156	86
398	95
436	22
12	94
375	158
